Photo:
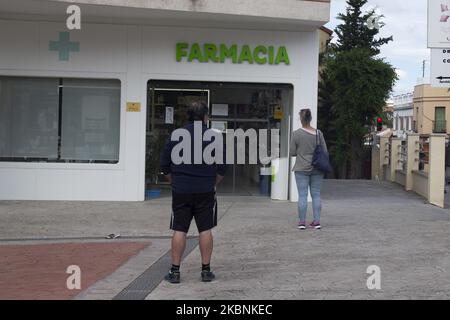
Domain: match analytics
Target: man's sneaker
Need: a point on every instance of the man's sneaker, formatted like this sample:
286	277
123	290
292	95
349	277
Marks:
173	277
208	276
302	225
315	225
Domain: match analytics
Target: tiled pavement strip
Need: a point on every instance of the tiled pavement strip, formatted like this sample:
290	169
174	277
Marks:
132	279
148	279
259	254
38	271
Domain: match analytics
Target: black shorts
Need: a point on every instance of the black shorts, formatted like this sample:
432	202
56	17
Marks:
200	206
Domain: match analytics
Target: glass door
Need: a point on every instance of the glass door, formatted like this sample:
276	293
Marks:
232	106
166	111
241	179
247	176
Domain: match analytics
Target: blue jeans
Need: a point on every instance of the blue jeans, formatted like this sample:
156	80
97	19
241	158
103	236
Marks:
309	180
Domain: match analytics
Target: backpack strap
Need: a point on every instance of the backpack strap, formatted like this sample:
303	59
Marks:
318	140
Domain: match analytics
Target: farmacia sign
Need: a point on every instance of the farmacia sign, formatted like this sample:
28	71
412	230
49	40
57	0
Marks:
210	52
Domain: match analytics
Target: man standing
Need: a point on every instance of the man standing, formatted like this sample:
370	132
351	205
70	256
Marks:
193	196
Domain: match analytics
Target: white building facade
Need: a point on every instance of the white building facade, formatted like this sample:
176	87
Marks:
83	113
403	117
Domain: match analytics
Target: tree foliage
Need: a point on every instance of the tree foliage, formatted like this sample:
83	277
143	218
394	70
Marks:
354	31
353	90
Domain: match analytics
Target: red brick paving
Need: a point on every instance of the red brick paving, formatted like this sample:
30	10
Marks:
38	272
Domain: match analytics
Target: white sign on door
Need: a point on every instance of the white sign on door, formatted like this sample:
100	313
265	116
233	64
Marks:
439	24
219	110
440	68
169	115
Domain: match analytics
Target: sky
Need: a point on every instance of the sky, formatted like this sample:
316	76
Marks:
406	21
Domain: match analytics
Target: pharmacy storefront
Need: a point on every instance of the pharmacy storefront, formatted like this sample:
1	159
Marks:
84	113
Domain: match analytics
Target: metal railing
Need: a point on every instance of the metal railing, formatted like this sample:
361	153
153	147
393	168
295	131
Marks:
424	153
387	152
403	155
412	166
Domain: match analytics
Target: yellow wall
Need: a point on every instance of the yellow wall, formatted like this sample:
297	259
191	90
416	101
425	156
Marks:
324	38
426	99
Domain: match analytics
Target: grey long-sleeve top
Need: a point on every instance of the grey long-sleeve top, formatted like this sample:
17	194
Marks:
302	147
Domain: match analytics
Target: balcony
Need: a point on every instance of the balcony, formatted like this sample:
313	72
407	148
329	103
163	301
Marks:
440	126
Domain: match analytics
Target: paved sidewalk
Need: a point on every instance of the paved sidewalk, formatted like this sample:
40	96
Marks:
65	219
110	286
259	253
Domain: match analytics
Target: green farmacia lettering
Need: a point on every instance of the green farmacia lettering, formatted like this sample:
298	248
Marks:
210	52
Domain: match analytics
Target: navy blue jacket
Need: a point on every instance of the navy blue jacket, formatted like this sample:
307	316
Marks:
190	178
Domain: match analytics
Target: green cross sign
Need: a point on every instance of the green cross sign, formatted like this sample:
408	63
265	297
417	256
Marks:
64	46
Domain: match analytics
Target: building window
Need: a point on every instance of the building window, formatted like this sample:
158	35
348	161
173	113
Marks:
90	120
28	118
440	123
59	120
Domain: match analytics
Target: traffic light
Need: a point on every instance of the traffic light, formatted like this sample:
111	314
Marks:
379	124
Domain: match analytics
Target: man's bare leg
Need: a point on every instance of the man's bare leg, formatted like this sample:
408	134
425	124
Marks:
178	246
206	246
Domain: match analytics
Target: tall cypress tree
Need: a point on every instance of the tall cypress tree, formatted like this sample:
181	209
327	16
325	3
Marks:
354	31
354	86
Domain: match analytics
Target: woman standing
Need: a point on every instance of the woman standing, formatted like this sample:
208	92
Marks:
303	144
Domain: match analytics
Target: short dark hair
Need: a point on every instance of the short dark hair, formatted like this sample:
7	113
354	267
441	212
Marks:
197	111
305	115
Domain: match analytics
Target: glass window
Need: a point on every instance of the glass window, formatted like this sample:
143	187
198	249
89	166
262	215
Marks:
440	125
28	118
90	120
59	120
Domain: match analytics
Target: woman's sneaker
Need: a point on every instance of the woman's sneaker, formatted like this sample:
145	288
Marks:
315	225
302	225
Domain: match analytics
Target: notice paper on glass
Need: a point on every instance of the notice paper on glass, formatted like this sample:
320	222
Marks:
169	115
219	126
219	110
